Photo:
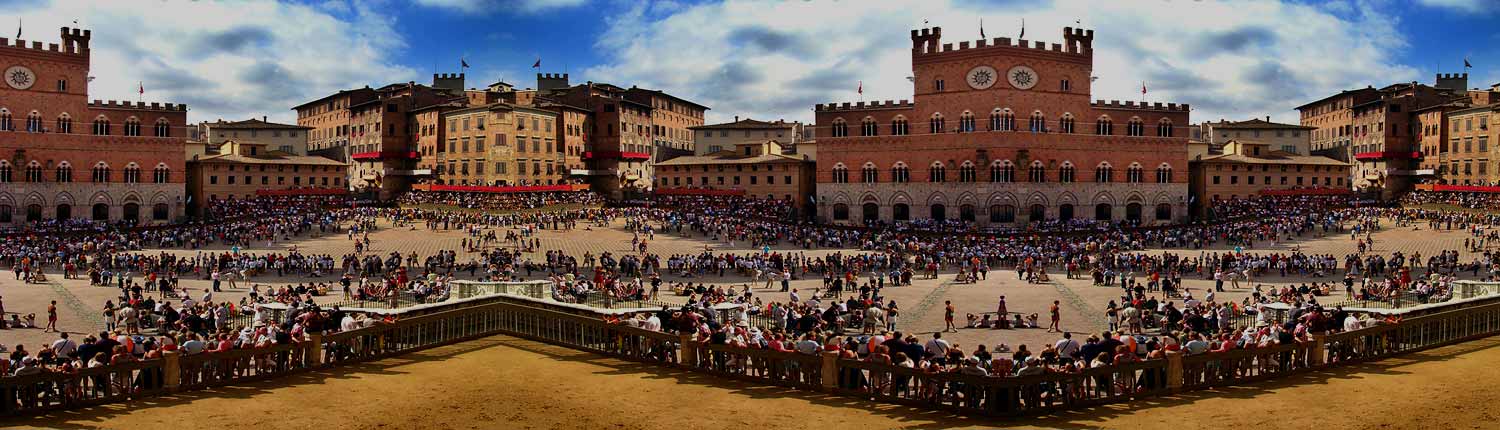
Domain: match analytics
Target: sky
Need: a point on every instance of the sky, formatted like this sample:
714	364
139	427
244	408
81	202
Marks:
768	60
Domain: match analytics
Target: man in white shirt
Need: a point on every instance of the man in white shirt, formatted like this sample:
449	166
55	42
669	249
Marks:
348	323
937	347
63	346
1352	323
1067	347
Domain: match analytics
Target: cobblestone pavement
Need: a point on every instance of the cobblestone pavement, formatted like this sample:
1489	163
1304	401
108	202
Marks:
1083	303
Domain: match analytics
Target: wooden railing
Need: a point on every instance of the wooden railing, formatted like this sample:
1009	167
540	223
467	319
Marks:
955	391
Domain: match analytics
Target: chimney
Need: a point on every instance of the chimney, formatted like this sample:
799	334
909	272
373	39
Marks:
736	118
263	118
1268	118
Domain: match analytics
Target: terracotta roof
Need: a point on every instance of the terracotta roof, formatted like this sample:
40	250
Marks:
1276	159
272	159
727	157
1257	124
253	123
743	124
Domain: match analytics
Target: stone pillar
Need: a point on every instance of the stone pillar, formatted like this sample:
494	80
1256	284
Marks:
1319	351
315	350
1174	371
172	365
687	352
830	370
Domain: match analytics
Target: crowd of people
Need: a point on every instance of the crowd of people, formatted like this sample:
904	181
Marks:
501	202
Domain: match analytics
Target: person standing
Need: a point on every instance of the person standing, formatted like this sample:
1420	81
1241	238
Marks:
948	316
1056	317
51	317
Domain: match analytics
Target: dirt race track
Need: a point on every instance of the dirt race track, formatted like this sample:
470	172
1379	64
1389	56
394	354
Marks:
507	383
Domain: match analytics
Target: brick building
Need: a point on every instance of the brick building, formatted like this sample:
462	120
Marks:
1258	157
756	170
621	142
59	151
719	137
287	138
1473	146
246	169
1002	133
328	121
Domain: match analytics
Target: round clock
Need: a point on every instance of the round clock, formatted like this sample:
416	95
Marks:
1021	77
20	77
982	77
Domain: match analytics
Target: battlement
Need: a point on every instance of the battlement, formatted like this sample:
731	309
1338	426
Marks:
1453	76
552	76
1158	106
116	104
74	42
856	106
929	41
447	76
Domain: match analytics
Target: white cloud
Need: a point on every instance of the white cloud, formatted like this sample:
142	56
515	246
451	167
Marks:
1472	6
1228	59
228	60
486	6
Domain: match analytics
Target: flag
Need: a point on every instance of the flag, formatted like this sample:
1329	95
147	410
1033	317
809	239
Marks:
18	28
981	29
1466	64
141	89
537	64
463	64
1023	29
861	89
1143	88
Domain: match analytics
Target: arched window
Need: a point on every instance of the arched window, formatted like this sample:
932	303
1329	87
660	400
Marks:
64	123
1038	172
132	173
1164	128
1037	213
966	213
132	212
132	127
100	212
900	173
840	174
1002	171
1065	124
871	212
33	171
869	174
868	127
1105	126
966	171
1164	173
101	172
901	212
936	124
163	128
162	174
938	212
5	172
1133	173
1164	211
840	128
937	172
1103	173
159	211
1135	127
1133	212
64	172
6	122
1004	120
966	122
1065	173
1002	213
34	122
1104	212
1038	122
900	127
101	126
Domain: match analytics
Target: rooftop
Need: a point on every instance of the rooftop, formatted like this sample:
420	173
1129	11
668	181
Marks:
743	124
727	157
1276	158
1258	124
274	158
254	124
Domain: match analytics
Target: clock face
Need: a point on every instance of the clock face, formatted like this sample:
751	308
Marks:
982	77
1021	77
20	77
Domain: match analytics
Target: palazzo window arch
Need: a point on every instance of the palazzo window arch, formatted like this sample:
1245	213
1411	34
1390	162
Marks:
868	127
132	173
840	174
1065	124
900	173
101	172
1164	128
1038	123
937	172
900	127
163	128
869	174
839	128
1002	171
1065	172
1164	173
132	126
6	172
1135	127
64	123
34	171
966	122
1104	173
6	122
34	122
1104	126
63	173
966	172
1038	172
936	124
1133	173
101	126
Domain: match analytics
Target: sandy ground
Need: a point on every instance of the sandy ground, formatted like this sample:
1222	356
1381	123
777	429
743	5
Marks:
506	383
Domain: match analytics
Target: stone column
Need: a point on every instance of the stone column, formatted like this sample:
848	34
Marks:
830	370
315	349
172	365
687	352
1174	371
1319	350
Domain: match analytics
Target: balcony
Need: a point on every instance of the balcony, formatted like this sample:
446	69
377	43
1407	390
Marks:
616	155
387	155
1387	155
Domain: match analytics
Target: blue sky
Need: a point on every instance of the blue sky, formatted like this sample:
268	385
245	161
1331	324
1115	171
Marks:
1229	59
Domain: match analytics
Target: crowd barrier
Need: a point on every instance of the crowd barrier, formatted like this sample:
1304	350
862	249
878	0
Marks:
957	392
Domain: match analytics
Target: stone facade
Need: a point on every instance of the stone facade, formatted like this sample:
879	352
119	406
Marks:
1473	147
63	156
242	170
759	170
994	121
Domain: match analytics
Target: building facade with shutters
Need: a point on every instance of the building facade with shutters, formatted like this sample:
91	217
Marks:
1002	133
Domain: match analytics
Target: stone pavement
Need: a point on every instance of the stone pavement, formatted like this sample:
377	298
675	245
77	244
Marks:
922	303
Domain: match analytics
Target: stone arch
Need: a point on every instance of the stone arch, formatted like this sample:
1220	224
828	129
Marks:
1067	198
131	197
1162	197
1134	197
1003	198
35	198
101	197
901	197
869	197
6	199
937	198
63	197
1104	197
841	197
160	197
1036	198
967	198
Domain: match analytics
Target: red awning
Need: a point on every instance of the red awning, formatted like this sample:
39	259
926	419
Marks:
1307	192
1387	155
502	190
1459	188
303	192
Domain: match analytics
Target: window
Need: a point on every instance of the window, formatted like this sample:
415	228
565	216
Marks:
1104	127
62	85
1037	173
1038	123
34	122
1103	173
936	123
163	128
34	171
133	173
1002	171
868	174
64	123
839	129
840	174
937	172
101	173
6	123
1065	86
1164	174
132	127
1164	128
1133	173
900	173
899	126
868	127
5	172
1065	173
1135	127
966	172
938	84
966	122
1065	124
